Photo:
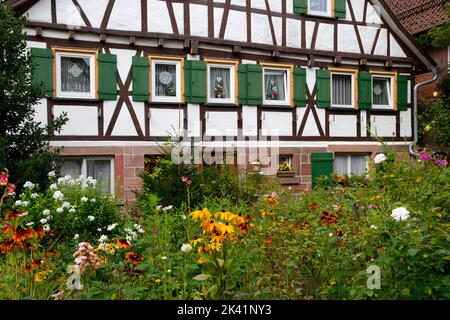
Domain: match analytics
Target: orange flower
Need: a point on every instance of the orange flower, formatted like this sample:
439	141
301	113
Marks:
133	258
210	226
22	234
314	206
267	241
4	177
342	179
196	240
123	244
7	246
227	228
201	261
217	237
12	215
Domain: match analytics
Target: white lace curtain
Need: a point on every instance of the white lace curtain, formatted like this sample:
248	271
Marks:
71	167
164	87
75	75
318	5
381	91
274	84
219	83
101	171
358	163
342	90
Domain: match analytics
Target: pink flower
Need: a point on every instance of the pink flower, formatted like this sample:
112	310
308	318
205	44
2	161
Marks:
442	163
4	177
184	179
424	157
188	182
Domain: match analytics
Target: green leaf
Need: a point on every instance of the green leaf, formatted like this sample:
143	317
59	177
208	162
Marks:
405	292
413	252
220	262
201	277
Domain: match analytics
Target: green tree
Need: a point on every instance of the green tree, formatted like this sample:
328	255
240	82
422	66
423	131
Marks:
24	143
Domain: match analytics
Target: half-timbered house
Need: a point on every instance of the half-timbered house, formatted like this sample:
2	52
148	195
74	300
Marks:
321	78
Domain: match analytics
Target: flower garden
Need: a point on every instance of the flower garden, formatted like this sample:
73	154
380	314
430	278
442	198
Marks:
212	235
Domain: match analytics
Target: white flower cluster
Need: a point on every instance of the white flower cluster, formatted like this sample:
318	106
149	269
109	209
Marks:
381	157
111	227
160	207
29	185
102	244
80	181
132	233
186	247
44	221
400	214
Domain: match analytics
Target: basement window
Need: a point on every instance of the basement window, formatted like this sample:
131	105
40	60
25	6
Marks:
101	169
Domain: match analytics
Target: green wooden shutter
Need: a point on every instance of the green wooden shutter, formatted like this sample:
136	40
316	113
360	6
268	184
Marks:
242	84
254	84
340	8
322	165
43	69
323	89
195	81
250	84
299	87
364	90
301	6
402	93
141	79
107	76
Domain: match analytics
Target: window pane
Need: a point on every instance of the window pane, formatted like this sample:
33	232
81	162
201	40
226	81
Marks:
341	164
274	81
75	74
165	80
101	171
319	5
381	91
219	80
71	167
342	89
358	164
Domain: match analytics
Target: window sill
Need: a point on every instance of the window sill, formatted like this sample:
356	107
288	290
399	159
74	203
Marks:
75	99
321	16
343	109
167	102
277	106
220	105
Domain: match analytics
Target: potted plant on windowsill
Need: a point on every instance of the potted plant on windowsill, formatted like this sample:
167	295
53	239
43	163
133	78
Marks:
285	170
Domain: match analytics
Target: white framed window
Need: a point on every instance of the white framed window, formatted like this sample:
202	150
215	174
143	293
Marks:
319	7
383	92
221	83
75	74
101	169
342	90
351	164
276	86
166	80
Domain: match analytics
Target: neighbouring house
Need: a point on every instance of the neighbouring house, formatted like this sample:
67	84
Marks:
319	78
419	17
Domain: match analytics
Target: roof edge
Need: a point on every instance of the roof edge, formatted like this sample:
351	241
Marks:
413	43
